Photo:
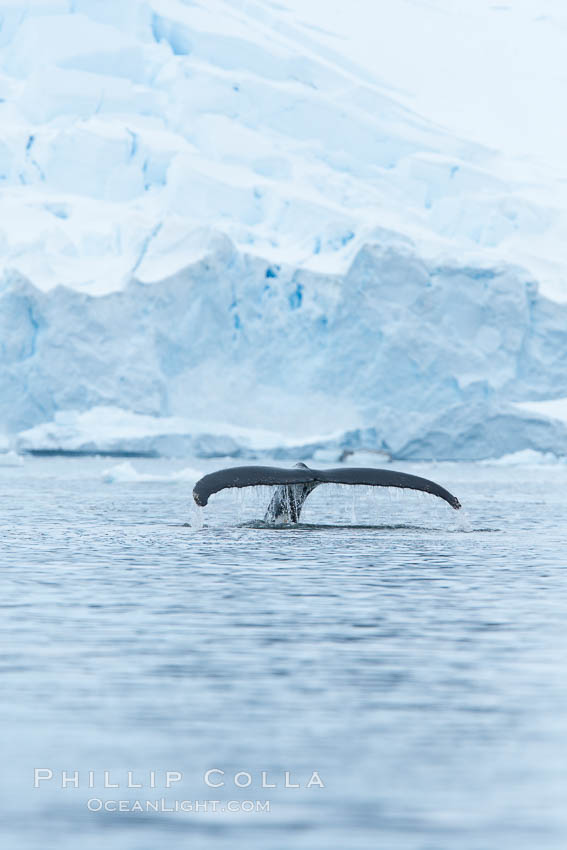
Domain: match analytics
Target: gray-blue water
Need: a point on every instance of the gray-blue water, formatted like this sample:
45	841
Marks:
418	666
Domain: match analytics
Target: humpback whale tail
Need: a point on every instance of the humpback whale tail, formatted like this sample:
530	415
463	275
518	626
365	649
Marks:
294	485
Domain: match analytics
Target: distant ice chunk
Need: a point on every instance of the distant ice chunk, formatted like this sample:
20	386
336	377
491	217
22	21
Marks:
361	457
527	457
327	455
127	473
11	459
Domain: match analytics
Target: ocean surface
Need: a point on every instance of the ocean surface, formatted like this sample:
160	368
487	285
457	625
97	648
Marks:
406	661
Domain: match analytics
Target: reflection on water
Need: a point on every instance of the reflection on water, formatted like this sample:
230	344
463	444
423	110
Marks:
412	655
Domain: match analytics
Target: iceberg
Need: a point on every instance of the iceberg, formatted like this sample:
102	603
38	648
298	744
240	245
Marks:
222	237
401	357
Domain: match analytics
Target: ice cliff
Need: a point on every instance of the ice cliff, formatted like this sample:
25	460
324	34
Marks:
219	236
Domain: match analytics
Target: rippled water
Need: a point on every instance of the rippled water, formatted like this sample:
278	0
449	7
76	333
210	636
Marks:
417	664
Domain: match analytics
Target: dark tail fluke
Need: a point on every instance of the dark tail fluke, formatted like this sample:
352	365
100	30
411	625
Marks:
294	485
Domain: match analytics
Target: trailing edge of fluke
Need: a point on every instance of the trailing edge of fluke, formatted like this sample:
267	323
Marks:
294	485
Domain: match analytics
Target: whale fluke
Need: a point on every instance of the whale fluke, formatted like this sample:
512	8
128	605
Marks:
294	485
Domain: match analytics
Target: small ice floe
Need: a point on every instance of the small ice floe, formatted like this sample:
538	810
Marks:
526	457
326	455
11	459
127	473
364	457
352	457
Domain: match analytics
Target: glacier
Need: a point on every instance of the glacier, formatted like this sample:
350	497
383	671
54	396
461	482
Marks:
220	236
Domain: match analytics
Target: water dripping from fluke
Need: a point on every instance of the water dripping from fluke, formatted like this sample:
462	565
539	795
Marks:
197	519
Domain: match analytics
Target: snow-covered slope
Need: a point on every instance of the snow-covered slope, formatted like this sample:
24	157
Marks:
212	217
